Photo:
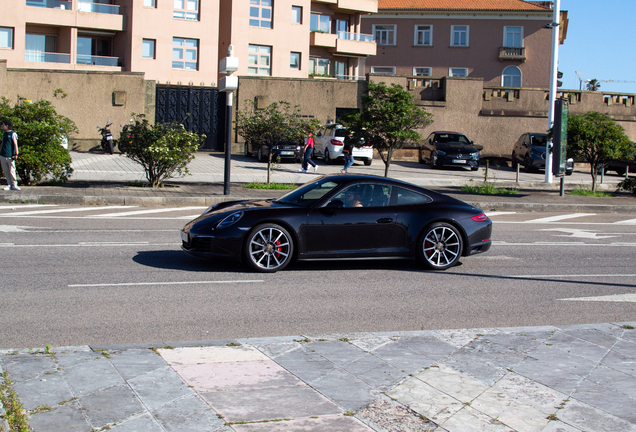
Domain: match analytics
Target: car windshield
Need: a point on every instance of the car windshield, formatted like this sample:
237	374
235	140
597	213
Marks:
307	195
538	140
452	138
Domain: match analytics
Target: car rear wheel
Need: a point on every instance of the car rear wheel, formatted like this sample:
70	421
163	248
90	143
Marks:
246	150
440	246
514	161
328	159
368	162
259	155
527	164
269	248
433	161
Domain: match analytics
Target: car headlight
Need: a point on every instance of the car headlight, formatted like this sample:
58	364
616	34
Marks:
474	155
441	153
297	148
230	220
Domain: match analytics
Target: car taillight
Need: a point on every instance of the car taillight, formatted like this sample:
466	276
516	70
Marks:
336	142
480	218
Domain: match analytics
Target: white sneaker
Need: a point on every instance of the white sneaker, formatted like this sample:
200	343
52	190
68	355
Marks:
15	188
8	187
302	170
316	168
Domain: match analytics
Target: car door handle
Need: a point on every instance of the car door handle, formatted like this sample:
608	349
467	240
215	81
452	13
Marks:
385	220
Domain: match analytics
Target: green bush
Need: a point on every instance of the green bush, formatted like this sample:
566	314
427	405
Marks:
40	133
163	149
629	185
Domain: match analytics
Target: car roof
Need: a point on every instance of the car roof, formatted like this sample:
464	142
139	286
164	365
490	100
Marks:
448	132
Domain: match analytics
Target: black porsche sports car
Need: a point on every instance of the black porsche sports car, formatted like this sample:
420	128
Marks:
341	216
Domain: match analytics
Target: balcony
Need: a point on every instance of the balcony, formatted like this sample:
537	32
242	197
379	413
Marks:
355	44
355	6
97	60
47	57
98	8
51	4
512	53
320	39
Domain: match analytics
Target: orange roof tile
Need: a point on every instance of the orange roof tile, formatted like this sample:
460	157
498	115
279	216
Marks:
472	5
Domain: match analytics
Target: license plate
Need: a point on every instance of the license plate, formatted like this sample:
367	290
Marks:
459	161
109	138
287	153
184	236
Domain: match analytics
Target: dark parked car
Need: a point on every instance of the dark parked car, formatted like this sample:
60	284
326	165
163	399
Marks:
287	151
529	151
444	149
622	165
341	216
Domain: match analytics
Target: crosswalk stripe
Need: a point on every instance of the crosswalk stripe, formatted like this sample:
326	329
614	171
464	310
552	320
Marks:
621	298
42	212
498	213
560	217
140	212
627	222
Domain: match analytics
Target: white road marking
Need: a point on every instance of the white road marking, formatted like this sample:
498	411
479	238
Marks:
504	243
578	233
565	276
164	283
621	298
140	212
626	222
22	206
86	244
64	210
13	228
560	217
498	213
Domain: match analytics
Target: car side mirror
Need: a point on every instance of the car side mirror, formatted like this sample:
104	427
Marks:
525	143
472	143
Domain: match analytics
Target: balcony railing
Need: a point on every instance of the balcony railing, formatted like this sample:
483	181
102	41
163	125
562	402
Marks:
98	8
97	60
355	36
512	53
51	4
46	57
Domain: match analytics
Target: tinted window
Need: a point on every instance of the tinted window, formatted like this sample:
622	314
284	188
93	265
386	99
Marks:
405	197
340	133
448	138
365	195
307	195
537	140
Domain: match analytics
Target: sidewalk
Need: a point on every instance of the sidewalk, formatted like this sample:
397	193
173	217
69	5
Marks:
116	180
568	379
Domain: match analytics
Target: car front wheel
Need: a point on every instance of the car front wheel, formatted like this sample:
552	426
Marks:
440	246
269	248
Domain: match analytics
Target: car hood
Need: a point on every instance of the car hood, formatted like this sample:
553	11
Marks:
458	147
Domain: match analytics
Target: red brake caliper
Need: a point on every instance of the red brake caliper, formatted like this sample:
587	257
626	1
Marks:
278	249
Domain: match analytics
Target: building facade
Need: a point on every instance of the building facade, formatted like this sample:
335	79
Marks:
505	42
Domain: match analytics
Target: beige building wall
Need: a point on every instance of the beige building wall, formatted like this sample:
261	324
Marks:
481	57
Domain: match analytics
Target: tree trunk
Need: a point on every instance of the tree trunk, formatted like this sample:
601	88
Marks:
387	163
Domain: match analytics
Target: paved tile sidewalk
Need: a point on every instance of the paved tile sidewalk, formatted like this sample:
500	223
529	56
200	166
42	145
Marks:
572	378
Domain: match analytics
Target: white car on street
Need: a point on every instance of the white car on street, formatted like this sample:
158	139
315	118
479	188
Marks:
329	142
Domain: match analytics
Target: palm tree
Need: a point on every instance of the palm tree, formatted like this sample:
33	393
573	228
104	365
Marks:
593	85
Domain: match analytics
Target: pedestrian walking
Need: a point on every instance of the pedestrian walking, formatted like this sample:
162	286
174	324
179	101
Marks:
347	151
307	151
9	154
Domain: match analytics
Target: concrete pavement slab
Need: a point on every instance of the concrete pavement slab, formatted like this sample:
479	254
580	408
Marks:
49	389
132	363
159	387
143	423
346	390
335	352
69	359
590	419
469	419
206	355
531	393
189	414
331	423
110	405
402	358
375	372
24	367
510	411
91	376
307	365
460	386
65	418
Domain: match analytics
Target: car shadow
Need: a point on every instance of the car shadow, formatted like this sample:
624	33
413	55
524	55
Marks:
179	260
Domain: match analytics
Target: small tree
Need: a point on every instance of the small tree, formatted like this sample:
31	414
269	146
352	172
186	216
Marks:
596	139
164	149
388	120
593	85
277	122
40	133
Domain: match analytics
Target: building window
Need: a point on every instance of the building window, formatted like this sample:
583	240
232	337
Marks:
459	36
259	60
294	61
458	72
318	66
186	9
185	53
297	15
148	48
383	69
511	77
261	13
37	45
150	3
422	71
6	37
340	69
423	35
320	23
384	34
513	37
95	50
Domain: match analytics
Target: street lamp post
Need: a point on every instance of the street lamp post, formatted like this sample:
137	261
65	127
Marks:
228	84
554	66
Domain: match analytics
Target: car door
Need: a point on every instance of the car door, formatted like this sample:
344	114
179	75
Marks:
367	230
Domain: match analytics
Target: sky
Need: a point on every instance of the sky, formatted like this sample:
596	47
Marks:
600	43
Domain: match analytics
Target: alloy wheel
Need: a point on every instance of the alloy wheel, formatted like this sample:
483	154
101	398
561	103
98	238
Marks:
441	246
269	248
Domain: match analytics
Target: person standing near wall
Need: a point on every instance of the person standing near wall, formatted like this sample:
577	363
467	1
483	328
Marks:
347	150
307	151
9	154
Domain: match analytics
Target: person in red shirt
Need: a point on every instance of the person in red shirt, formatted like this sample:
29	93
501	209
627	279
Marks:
308	150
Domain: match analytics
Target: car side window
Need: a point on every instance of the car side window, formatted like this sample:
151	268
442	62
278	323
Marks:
403	196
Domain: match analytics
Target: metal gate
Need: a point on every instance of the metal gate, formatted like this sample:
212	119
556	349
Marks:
199	109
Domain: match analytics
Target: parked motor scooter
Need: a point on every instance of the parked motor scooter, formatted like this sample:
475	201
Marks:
107	138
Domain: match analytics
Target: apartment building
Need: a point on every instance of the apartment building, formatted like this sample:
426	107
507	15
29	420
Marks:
505	42
182	41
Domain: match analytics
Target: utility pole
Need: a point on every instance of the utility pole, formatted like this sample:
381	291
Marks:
554	66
